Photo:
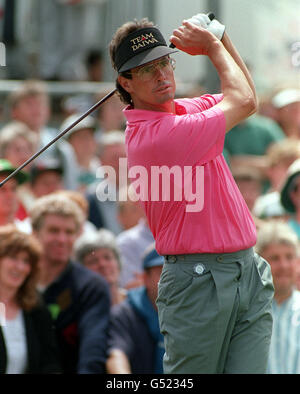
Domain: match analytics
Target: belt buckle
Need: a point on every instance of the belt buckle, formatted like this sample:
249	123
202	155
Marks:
171	258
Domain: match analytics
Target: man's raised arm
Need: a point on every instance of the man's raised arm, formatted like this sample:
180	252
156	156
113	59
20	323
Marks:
239	100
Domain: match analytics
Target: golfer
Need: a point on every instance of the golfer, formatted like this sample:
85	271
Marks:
215	293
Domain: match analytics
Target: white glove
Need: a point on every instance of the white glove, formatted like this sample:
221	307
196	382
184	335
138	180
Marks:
213	26
201	20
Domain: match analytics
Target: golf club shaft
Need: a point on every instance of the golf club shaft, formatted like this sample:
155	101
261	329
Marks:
89	111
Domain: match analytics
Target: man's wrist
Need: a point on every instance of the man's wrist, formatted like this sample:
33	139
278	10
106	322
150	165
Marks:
214	48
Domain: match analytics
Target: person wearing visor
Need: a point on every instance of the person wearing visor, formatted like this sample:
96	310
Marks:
214	294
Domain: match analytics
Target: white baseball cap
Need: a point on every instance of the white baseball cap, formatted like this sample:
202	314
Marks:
286	97
86	123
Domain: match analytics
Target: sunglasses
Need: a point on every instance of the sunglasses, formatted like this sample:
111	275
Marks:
147	72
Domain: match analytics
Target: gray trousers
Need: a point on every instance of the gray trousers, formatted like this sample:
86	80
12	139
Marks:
215	313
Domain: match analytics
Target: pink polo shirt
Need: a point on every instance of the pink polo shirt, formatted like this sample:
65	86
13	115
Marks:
189	145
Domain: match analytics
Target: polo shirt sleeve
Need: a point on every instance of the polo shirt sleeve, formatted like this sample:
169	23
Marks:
207	101
190	139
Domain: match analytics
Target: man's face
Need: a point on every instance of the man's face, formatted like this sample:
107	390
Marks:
18	151
283	261
57	236
84	143
152	86
47	182
8	197
104	262
34	111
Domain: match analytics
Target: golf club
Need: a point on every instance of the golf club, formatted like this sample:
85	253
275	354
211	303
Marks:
89	111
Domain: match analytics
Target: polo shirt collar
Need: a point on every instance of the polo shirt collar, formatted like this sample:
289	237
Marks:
140	115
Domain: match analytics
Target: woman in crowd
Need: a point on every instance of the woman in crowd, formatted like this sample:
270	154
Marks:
27	340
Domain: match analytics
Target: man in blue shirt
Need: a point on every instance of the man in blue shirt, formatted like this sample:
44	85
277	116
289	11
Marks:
135	343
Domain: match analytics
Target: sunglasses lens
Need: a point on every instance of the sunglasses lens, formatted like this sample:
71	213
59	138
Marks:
147	72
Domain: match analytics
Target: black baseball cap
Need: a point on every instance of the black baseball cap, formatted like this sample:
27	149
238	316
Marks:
7	168
140	47
44	165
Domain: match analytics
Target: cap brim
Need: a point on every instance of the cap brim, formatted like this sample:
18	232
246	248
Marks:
21	177
158	261
146	57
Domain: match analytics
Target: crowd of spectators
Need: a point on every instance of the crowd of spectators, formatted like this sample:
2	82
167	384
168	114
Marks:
78	266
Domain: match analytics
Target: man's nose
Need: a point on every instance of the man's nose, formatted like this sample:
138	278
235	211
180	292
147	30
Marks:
160	73
62	236
285	263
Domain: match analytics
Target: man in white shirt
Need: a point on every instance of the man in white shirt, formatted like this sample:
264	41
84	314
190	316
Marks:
278	243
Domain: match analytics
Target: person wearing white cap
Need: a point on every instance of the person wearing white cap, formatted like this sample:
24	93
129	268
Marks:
287	105
278	243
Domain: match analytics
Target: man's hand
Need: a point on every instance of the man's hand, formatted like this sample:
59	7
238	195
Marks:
136	282
193	39
213	26
118	363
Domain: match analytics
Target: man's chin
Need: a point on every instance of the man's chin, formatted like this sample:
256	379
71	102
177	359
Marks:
59	259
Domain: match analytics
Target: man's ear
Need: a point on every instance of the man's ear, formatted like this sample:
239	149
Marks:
125	83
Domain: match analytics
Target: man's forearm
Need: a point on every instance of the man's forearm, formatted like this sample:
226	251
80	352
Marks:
239	101
233	79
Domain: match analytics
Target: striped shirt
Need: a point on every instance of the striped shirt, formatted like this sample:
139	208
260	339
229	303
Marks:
284	355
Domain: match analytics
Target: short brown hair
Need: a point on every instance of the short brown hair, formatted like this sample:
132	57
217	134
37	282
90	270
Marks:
29	88
14	130
119	35
12	242
77	197
55	204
